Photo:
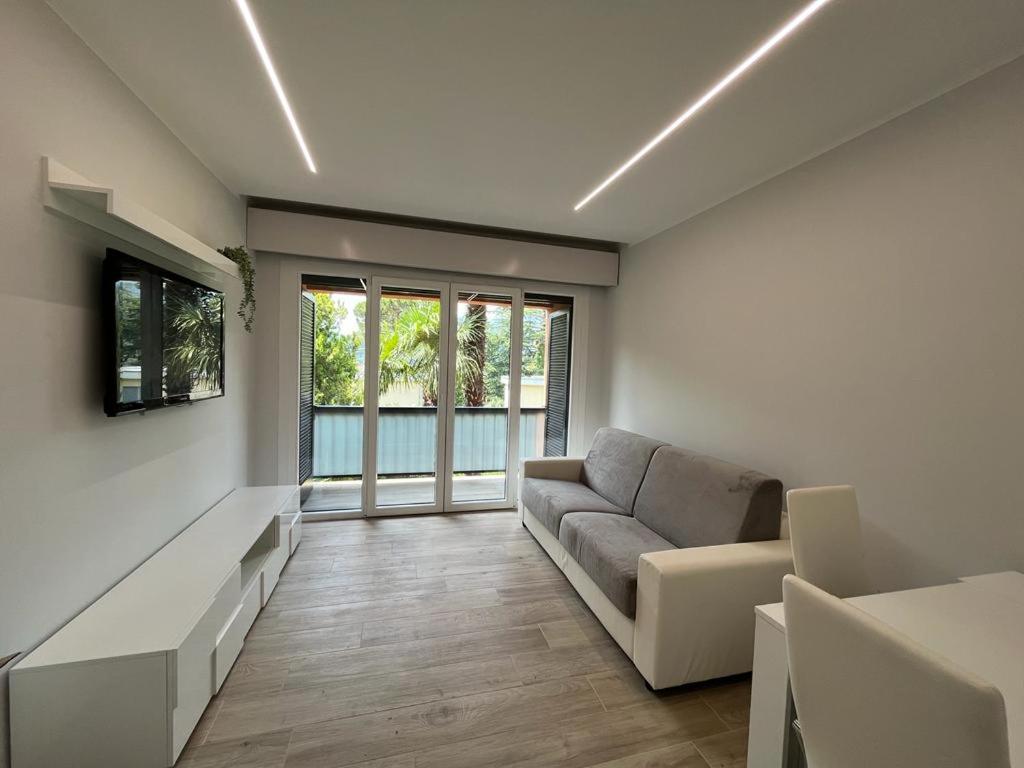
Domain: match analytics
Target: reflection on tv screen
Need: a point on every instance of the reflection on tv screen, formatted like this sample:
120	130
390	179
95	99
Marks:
193	319
127	300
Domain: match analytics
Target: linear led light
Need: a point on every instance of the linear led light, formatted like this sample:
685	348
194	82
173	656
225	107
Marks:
257	40
781	34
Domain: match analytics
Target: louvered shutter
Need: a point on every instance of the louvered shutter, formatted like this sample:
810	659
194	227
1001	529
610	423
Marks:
556	417
306	334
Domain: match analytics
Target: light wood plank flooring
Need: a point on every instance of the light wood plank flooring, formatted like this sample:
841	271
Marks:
448	642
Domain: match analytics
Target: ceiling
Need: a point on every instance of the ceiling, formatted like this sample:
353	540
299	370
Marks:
506	113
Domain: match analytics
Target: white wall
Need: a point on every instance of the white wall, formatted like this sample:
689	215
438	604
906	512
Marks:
858	319
373	243
85	498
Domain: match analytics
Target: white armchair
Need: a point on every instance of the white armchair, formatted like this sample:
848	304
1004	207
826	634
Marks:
547	468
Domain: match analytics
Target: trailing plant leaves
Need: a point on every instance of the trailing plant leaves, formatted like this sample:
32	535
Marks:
247	307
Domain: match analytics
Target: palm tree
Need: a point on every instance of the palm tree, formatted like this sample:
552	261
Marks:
475	350
192	338
410	346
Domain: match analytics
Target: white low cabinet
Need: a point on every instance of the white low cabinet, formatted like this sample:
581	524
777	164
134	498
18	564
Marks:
123	684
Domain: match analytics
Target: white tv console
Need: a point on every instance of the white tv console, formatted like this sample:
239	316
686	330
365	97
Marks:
124	683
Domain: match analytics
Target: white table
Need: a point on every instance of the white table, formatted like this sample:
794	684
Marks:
1009	584
977	623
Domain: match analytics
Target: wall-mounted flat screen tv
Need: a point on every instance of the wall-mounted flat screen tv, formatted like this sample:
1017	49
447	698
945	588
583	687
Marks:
163	337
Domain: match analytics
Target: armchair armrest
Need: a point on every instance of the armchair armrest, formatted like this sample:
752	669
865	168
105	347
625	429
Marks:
552	468
547	468
695	608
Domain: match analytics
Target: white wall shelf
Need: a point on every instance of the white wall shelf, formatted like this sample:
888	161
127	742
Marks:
107	209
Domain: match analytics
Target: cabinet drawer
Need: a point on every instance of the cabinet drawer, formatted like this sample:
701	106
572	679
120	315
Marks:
193	676
231	637
272	569
227	598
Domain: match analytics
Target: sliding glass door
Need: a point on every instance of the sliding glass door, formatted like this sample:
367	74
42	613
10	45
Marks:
425	394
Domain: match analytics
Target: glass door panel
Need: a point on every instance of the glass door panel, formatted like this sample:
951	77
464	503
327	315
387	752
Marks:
482	388
544	383
412	343
533	381
338	310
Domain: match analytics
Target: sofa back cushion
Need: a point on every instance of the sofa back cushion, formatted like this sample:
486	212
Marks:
697	501
616	464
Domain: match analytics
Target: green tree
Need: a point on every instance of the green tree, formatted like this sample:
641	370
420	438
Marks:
129	322
193	320
472	387
535	333
410	347
337	376
409	350
496	365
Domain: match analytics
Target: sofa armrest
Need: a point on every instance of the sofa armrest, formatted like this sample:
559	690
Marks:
547	468
695	608
552	468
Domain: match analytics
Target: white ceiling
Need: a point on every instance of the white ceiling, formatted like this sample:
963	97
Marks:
507	112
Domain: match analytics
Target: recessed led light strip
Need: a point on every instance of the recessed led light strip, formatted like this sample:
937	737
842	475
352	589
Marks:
257	39
781	34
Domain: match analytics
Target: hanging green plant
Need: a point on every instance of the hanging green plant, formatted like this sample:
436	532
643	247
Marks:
247	307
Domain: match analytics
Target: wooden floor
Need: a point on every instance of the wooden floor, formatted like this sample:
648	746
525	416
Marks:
332	495
448	642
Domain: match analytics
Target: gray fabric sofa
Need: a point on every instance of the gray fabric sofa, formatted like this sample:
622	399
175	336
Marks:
670	549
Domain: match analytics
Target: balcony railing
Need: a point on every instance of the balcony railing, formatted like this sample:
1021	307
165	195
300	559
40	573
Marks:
407	439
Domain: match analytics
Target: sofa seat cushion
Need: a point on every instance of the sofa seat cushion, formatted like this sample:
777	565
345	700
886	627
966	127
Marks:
608	549
550	500
616	463
698	501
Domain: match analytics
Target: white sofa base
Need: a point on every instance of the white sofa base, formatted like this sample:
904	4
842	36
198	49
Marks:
619	626
695	609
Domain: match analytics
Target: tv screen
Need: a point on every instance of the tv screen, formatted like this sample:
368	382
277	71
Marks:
164	337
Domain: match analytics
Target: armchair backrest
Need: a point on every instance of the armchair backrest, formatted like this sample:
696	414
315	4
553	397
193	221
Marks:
698	501
616	464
